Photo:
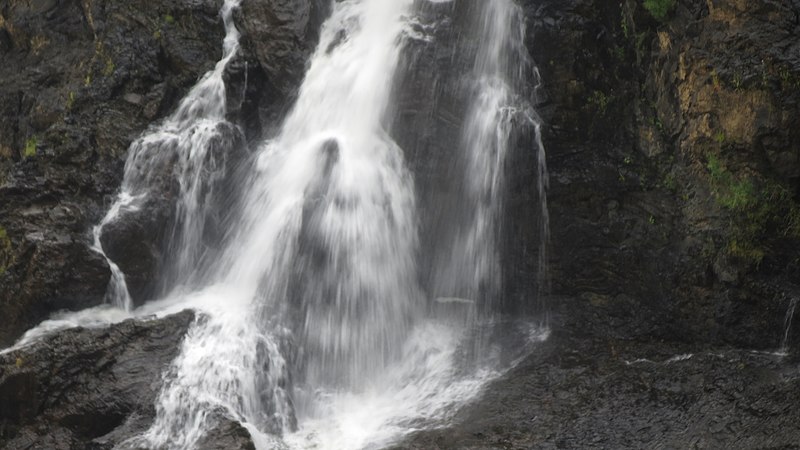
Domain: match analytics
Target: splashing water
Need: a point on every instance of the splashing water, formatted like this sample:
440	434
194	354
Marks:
312	328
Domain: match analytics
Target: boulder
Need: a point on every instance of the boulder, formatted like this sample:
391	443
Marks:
81	386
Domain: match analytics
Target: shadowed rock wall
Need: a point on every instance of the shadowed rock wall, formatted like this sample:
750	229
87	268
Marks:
80	80
674	166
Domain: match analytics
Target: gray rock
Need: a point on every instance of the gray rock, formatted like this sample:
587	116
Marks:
581	392
66	68
83	384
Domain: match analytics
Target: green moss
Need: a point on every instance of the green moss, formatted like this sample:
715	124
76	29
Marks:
659	9
656	122
731	192
641	39
5	251
30	148
109	68
619	53
670	183
169	19
623	24
715	81
599	102
761	210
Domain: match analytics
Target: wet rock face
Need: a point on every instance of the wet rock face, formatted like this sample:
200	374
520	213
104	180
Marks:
579	392
145	241
432	102
277	38
612	226
645	229
79	81
84	388
228	435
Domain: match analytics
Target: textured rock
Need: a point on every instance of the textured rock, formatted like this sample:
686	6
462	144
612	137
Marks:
633	108
76	386
70	70
277	38
144	241
432	103
643	245
227	435
576	392
80	81
642	266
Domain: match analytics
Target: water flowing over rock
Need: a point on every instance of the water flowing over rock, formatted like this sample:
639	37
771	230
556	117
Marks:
316	279
79	81
354	201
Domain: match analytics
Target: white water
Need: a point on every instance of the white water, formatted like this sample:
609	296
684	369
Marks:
498	109
787	327
117	293
178	149
312	329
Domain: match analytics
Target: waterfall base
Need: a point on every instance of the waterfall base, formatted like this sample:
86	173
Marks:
580	391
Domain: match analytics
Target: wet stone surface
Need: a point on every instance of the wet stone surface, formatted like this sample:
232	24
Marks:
87	388
581	391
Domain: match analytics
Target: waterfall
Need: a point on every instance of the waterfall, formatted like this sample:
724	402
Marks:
500	107
313	328
180	150
117	293
787	326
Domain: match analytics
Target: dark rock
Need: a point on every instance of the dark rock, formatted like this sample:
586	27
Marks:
60	274
579	392
134	241
145	242
69	72
432	103
640	243
81	384
642	251
277	38
227	435
632	109
78	84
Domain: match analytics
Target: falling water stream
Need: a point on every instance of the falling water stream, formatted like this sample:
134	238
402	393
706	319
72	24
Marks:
787	326
313	330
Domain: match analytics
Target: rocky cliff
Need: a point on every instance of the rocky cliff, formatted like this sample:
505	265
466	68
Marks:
675	169
673	154
672	144
80	80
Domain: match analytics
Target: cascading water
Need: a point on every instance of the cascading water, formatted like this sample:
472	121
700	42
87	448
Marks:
312	328
180	150
498	109
787	326
117	293
327	235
